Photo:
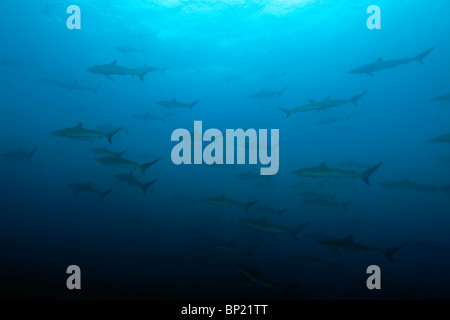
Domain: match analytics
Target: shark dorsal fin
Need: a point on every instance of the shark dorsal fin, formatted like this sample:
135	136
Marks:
349	239
379	59
328	98
263	219
406	180
222	196
230	242
174	100
131	173
80	125
114	62
311	101
323	165
88	184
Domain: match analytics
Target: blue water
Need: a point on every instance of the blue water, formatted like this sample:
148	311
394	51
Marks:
165	244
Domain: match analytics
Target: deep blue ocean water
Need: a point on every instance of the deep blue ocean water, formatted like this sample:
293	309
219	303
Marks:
168	244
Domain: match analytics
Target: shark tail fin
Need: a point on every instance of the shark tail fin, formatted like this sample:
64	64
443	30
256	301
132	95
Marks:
142	75
250	251
193	104
296	230
357	97
287	112
163	69
146	165
389	252
288	288
111	134
281	91
346	204
146	185
32	152
104	194
366	174
422	56
248	205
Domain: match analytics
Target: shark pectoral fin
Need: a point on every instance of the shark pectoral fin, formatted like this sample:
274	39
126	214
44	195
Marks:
79	126
108	76
114	62
369	73
379	59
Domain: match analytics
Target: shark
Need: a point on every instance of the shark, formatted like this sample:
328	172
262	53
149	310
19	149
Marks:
324	202
114	69
129	179
11	63
322	105
349	244
230	246
80	133
149	116
146	69
445	138
407	184
332	120
381	64
263	225
70	85
176	104
269	210
265	94
254	276
222	200
87	188
444	97
106	152
121	162
108	127
323	171
20	154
